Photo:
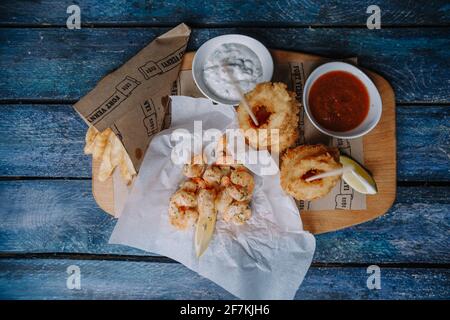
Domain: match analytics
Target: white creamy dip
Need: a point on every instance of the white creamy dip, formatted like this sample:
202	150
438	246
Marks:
232	62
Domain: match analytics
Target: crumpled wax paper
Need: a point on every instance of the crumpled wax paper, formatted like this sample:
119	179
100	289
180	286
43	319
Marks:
266	258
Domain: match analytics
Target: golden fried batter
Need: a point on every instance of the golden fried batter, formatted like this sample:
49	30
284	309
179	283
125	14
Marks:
303	162
230	187
275	108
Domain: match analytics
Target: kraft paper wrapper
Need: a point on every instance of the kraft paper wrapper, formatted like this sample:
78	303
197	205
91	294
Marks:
133	100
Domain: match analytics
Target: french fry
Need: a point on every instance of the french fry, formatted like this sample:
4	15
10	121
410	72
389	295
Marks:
100	143
129	164
108	148
106	167
91	134
126	175
126	168
116	150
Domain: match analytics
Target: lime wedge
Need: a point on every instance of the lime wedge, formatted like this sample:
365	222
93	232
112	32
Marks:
358	178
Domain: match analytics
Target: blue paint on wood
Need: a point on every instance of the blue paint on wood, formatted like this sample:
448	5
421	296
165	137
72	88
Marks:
228	12
415	229
62	217
396	284
423	143
46	279
66	64
42	140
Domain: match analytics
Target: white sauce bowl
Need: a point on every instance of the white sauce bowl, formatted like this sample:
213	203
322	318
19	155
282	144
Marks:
211	45
375	104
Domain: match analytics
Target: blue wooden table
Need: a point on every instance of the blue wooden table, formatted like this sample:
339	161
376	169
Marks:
49	220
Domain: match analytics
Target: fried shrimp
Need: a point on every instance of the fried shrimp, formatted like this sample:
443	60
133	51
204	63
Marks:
182	209
196	168
184	198
226	170
222	202
213	175
206	202
303	162
189	185
239	185
238	212
210	191
194	184
276	110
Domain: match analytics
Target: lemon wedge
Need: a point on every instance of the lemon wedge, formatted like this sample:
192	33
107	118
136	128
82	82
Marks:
206	221
204	232
358	178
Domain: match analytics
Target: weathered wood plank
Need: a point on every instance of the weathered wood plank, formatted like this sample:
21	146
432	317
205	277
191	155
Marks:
229	12
62	217
66	64
42	140
47	140
46	279
423	143
396	284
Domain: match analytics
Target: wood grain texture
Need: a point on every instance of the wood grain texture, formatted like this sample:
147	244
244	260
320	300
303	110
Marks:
228	12
46	279
58	216
102	191
66	64
431	146
42	140
47	141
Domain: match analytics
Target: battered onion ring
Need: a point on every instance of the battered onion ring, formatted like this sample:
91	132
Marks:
275	108
304	161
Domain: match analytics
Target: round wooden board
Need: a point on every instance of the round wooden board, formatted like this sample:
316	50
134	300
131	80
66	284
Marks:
379	157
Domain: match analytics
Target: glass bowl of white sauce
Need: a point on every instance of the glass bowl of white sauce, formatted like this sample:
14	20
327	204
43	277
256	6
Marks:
226	63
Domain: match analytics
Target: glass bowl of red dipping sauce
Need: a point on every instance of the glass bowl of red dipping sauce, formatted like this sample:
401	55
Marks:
341	101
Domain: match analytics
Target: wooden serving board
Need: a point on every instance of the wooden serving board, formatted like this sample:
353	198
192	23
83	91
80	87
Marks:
379	158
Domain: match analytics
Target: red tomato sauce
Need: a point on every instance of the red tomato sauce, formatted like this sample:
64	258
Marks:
338	101
261	115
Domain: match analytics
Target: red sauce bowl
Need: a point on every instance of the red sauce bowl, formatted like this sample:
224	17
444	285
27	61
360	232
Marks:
341	101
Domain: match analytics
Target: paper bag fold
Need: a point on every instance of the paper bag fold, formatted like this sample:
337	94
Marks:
133	100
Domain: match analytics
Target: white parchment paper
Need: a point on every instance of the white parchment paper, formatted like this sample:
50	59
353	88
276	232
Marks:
267	258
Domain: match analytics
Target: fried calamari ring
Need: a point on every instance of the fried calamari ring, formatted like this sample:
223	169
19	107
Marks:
303	162
275	108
